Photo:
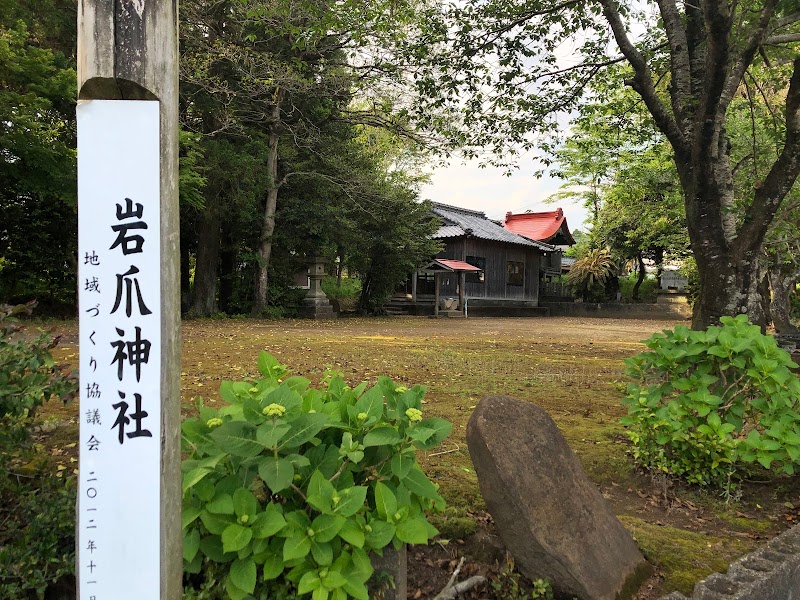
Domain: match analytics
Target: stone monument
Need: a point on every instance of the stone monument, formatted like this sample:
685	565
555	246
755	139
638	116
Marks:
550	516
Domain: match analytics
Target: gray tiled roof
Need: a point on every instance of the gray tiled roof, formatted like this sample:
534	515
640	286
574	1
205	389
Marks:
461	221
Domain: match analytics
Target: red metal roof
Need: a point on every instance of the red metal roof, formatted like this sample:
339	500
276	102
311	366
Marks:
456	265
540	226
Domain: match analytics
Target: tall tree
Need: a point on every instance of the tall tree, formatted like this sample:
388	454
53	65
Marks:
37	152
506	70
621	166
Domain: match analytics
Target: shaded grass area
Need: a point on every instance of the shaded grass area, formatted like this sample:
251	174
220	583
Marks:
570	367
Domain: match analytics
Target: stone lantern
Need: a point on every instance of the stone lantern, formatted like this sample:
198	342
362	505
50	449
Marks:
316	304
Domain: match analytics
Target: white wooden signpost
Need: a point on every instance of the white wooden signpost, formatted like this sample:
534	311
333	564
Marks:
120	341
129	499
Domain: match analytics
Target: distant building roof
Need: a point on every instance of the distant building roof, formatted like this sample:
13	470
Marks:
446	264
550	227
458	222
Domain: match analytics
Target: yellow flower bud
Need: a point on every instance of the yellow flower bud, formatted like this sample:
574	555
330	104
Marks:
274	410
414	415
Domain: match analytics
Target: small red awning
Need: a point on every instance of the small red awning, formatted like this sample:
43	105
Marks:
443	264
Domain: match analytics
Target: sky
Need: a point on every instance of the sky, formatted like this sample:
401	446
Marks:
490	191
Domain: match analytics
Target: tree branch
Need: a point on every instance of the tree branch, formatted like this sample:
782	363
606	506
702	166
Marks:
681	87
745	58
643	81
782	39
781	176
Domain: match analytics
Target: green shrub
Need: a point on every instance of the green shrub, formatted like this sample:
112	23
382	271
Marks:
349	289
28	374
292	484
37	518
37	510
705	403
648	291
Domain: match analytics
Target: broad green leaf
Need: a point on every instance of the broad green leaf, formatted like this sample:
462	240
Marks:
382	436
412	531
243	574
356	588
327	527
222	504
350	500
421	434
401	464
269	522
194	476
191	544
361	565
385	501
211	546
251	409
276	473
320	492
273	567
215	524
189	514
234	592
418	483
333	579
237	438
322	553
270	433
268	364
371	403
286	396
441	429
308	582
296	546
297	384
227	393
382	533
303	428
245	503
352	533
321	593
235	537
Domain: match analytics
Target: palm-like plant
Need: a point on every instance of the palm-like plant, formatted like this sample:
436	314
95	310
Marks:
594	268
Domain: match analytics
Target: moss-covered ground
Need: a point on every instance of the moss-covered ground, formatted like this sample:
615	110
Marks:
570	367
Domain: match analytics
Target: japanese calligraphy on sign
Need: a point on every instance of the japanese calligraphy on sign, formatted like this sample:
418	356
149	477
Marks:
120	341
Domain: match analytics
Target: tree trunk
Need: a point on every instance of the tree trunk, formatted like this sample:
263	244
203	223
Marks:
227	274
781	306
727	287
268	223
658	258
186	276
639	281
204	295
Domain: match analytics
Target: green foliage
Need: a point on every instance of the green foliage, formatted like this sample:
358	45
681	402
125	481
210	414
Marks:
689	270
510	585
703	404
292	483
589	274
37	524
38	224
28	374
37	519
648	291
349	289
